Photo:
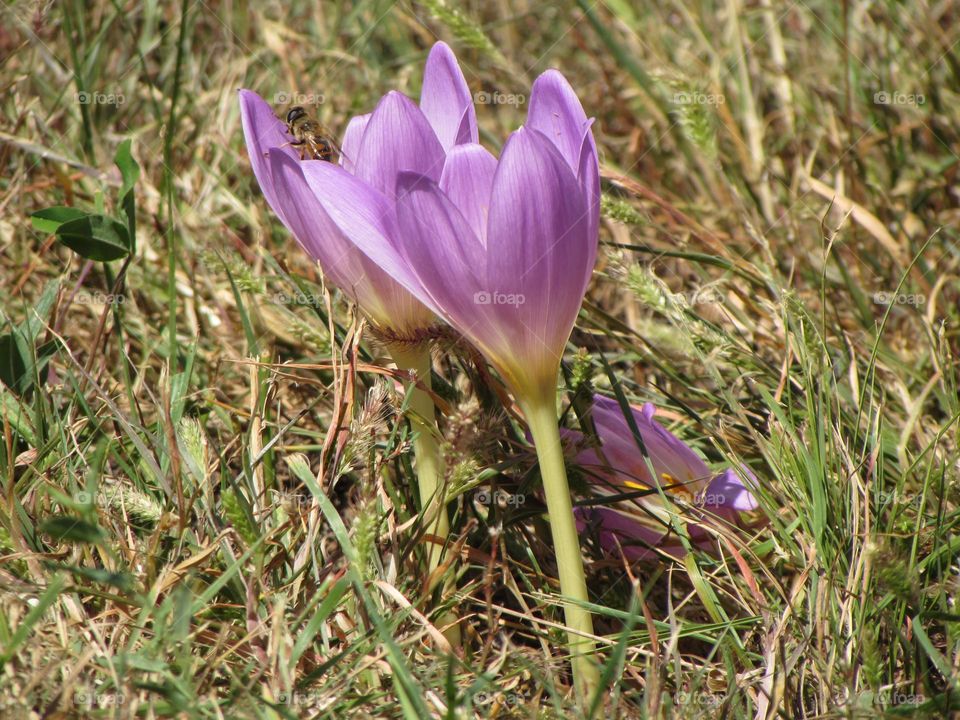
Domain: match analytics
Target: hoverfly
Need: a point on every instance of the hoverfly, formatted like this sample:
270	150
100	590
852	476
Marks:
309	136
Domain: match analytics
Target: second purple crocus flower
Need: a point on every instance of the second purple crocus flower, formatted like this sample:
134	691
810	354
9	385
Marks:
641	526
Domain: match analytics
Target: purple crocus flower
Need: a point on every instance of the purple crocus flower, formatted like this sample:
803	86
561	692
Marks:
501	249
398	136
643	523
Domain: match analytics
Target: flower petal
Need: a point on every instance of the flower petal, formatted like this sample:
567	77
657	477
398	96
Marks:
445	99
617	531
364	215
398	138
311	226
676	467
588	175
467	180
728	491
556	111
352	140
377	294
441	248
264	133
537	245
672	458
467	131
634	522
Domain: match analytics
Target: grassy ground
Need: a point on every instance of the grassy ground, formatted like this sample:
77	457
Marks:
207	513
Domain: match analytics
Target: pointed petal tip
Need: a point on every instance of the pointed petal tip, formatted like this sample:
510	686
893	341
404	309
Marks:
731	489
441	49
554	81
556	111
551	75
397	137
395	97
445	98
393	101
353	141
250	101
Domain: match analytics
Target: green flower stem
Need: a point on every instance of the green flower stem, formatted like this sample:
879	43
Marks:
426	449
542	419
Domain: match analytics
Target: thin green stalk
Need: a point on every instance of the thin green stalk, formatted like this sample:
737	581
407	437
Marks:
169	135
426	449
542	418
